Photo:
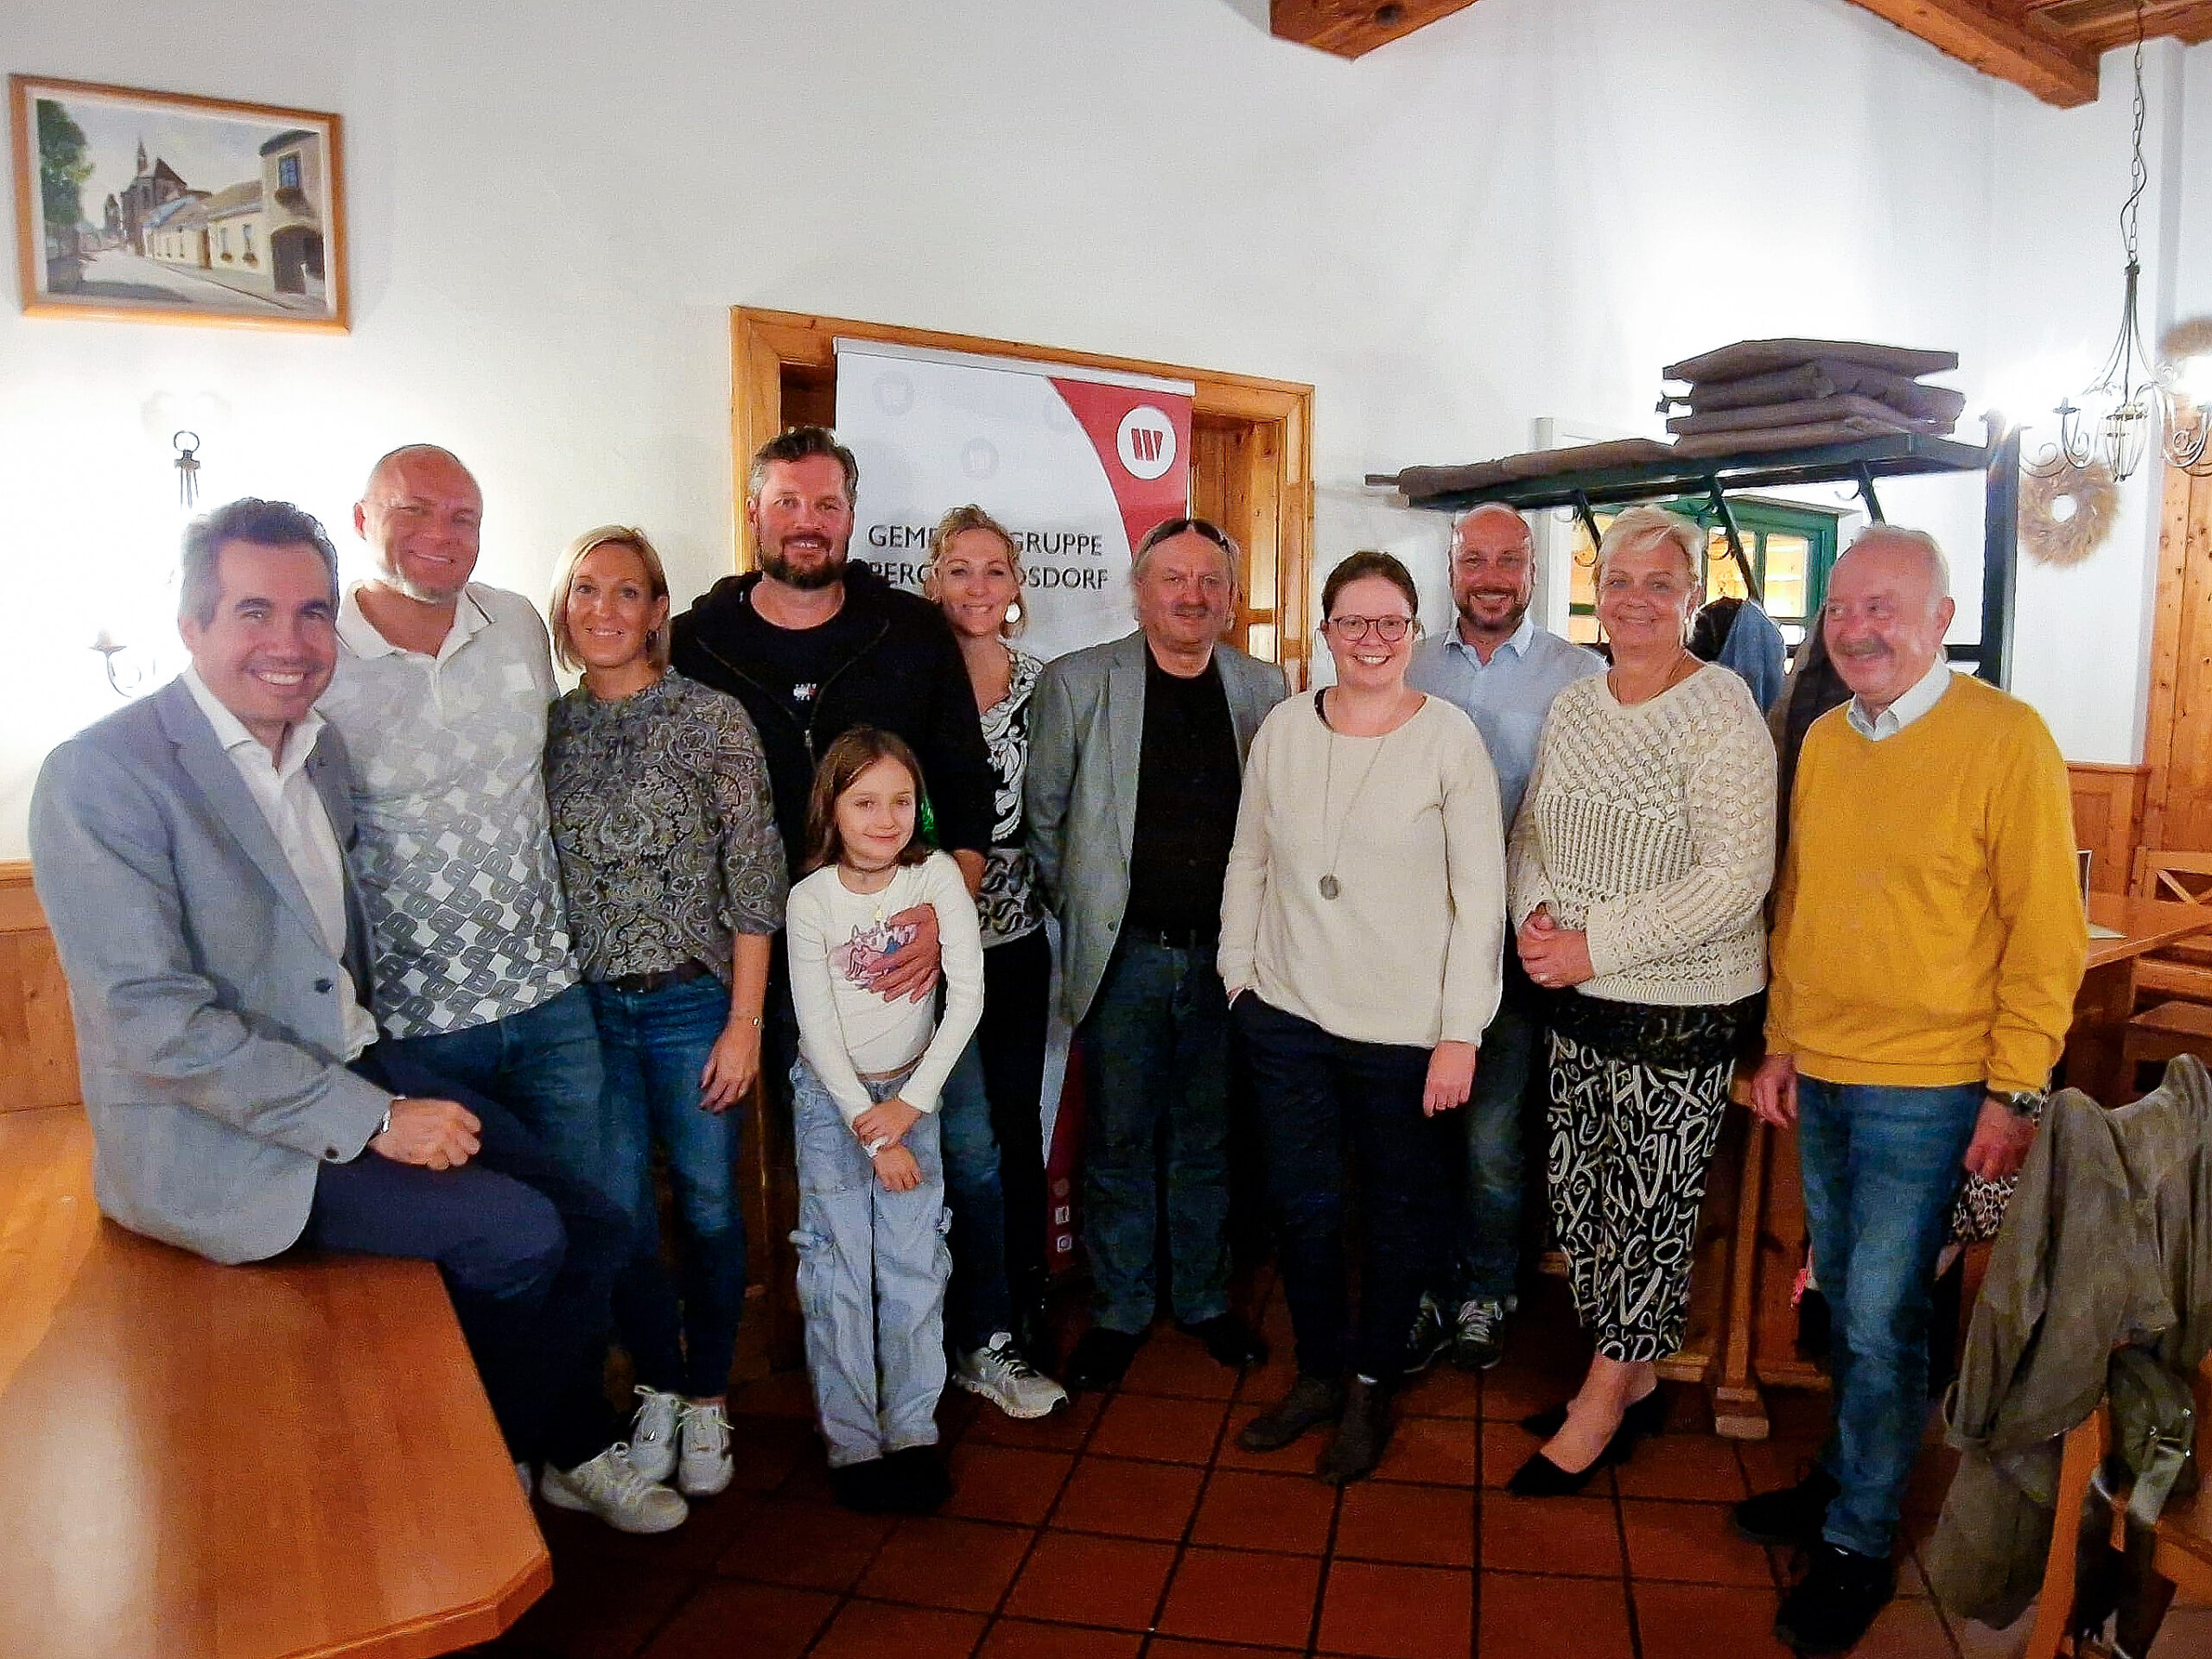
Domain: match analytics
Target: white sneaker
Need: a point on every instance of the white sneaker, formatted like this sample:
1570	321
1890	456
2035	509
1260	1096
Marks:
610	1487
1002	1376
522	1474
653	1434
704	1465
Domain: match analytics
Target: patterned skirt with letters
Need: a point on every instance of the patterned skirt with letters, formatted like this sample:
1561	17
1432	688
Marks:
1637	1097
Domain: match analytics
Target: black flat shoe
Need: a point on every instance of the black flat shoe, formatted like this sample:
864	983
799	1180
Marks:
1100	1357
1645	1417
1540	1478
1229	1339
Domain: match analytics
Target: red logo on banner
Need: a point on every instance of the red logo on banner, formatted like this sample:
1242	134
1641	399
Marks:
1143	441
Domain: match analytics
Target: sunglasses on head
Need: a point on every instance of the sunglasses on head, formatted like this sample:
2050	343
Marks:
1167	528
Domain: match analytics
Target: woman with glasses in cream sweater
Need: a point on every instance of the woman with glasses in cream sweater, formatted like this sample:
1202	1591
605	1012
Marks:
1361	925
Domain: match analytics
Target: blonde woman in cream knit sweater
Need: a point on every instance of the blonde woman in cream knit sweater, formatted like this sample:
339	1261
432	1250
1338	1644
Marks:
1362	923
1639	861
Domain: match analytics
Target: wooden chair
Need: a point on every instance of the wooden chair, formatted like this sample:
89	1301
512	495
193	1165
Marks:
2183	1551
2183	970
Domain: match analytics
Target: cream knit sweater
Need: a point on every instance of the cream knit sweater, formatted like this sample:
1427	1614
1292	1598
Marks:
1407	953
1651	827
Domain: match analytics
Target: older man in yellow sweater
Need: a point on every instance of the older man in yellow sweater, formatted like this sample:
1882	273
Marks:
1928	940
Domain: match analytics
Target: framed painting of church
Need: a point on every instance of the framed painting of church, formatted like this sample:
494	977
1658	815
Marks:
147	206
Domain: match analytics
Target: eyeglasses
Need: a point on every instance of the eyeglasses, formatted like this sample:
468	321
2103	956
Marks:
1352	629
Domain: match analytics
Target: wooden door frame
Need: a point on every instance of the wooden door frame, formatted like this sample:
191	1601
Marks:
2176	637
1275	505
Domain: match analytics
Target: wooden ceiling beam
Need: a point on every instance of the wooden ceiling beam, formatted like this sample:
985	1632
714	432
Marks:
2189	20
1352	27
2012	50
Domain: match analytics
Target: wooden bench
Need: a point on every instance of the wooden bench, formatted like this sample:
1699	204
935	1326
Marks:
232	1463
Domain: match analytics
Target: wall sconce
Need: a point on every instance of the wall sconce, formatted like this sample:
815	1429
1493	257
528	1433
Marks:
128	682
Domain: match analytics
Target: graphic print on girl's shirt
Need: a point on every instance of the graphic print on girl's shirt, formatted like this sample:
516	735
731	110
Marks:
858	956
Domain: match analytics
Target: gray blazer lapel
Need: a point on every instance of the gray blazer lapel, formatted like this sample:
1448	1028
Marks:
1125	734
205	763
333	782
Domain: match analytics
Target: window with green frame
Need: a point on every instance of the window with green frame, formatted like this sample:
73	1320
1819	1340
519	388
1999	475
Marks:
1791	547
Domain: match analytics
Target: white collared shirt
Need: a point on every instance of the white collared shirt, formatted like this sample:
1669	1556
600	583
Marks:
1924	693
453	846
287	798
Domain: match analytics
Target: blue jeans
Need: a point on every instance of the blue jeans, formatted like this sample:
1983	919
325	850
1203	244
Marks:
1326	1094
1156	1051
1881	1167
527	1251
1487	1255
978	1306
655	1045
542	1064
872	1269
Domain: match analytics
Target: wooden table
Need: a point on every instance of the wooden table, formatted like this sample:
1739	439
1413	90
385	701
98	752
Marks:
226	1462
2107	1000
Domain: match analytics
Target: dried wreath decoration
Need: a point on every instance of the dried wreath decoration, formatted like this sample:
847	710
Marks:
2066	517
2187	339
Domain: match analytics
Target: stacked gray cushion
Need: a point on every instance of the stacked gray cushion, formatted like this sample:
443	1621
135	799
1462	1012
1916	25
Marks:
1760	395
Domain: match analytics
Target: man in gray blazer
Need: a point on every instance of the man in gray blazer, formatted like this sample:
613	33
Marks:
1136	764
190	853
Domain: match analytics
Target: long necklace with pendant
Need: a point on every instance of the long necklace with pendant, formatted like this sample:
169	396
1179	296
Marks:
1329	885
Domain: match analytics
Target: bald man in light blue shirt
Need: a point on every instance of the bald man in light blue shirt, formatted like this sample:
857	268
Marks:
1497	664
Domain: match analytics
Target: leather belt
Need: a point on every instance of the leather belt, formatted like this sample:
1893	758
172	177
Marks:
659	980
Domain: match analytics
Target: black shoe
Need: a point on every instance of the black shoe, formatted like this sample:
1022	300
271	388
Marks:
1431	1337
1478	1334
1032	1338
1312	1402
1838	1599
915	1482
1790	1518
863	1488
1363	1434
1229	1339
1540	1478
1101	1356
1644	1416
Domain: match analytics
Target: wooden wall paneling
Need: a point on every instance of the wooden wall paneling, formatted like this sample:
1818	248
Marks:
38	1043
2108	819
2177	724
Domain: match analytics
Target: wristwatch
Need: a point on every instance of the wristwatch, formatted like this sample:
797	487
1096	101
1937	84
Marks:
2024	1103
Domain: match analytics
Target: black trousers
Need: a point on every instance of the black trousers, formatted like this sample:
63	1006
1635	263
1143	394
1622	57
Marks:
1319	1095
529	1255
1010	1041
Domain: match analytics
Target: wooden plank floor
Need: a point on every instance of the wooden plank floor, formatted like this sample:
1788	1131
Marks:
229	1462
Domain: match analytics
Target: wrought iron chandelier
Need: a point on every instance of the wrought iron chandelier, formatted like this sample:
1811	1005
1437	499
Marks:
2114	419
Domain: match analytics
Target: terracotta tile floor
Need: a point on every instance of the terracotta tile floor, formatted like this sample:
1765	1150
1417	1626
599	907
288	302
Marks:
1132	1528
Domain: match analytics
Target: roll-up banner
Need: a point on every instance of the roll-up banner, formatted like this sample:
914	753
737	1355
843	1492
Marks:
1078	464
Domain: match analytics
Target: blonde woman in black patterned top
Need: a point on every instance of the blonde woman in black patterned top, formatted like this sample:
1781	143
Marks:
975	576
676	881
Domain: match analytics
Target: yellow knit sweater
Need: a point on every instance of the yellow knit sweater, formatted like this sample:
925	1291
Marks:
1929	925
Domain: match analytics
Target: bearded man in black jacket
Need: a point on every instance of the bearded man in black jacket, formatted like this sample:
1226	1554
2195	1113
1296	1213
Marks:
814	645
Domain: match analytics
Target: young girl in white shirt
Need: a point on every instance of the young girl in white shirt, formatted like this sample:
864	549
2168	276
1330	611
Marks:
873	1261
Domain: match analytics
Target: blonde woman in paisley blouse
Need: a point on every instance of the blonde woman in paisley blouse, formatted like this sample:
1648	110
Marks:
676	881
975	574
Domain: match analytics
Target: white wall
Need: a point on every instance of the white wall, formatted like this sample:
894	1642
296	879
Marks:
1523	210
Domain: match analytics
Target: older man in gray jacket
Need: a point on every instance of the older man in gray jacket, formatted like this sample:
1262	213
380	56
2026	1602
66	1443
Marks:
1136	763
190	853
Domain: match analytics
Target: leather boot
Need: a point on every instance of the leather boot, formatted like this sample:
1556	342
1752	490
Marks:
1312	1402
1363	1433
